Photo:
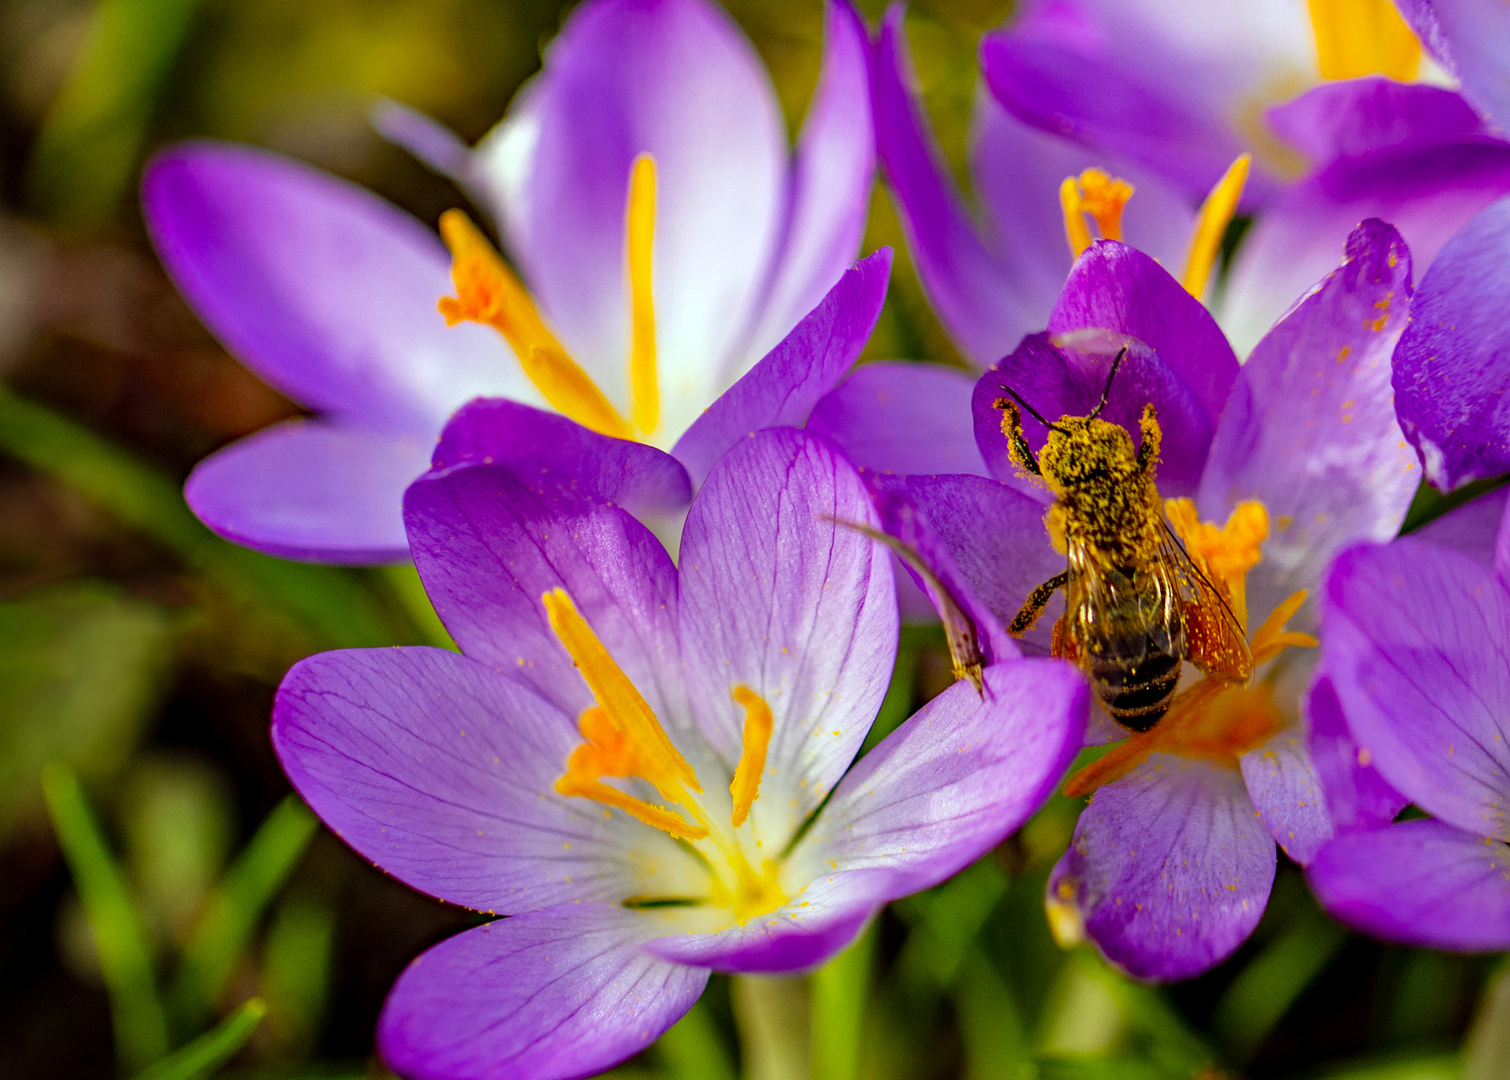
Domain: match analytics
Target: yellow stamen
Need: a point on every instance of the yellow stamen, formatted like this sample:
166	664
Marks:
643	385
488	292
1363	37
1216	215
1272	638
1224	555
1099	195
757	736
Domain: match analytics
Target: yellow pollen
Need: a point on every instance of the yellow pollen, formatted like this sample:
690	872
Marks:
757	736
644	388
624	738
1355	38
487	292
1211	225
1095	193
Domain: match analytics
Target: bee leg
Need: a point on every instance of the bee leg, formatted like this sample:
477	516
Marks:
1017	443
1037	601
1148	449
1061	645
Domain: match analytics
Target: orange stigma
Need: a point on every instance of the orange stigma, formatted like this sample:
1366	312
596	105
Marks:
1095	193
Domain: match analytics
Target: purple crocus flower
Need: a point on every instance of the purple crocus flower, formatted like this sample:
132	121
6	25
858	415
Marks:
647	767
1416	676
1298	451
1166	94
652	137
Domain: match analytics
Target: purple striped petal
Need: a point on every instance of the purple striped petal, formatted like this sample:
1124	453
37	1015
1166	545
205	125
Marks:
1309	429
1284	787
831	180
1454	359
675	79
1068	381
537	444
1473	528
442	772
309	490
778	596
551	995
1356	795
903	418
1419	883
1416	641
1170	868
320	287
782	390
1467	35
488	545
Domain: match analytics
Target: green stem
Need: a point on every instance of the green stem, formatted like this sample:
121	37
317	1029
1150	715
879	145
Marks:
206	1054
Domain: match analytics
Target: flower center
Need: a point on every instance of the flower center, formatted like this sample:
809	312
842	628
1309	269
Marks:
1220	718
487	292
1363	37
623	738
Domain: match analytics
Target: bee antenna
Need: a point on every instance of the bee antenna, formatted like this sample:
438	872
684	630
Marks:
1034	413
1106	391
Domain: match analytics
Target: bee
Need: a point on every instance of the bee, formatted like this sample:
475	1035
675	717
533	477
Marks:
1136	606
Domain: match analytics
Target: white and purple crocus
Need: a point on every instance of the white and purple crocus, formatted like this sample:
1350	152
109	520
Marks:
648	767
1299	453
664	235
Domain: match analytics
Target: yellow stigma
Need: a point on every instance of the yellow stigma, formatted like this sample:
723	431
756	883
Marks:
487	292
1095	193
1363	37
1211	225
757	736
644	388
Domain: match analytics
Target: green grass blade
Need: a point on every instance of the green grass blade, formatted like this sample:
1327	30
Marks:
839	991
235	906
88	150
206	1054
136	1012
693	1050
331	603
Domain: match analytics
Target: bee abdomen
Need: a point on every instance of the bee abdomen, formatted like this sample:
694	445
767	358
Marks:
1136	696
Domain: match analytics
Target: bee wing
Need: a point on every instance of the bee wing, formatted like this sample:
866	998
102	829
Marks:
1121	614
1215	641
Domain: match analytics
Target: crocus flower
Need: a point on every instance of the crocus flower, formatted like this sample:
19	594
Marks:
647	767
1167	95
1417	670
665	237
1299	454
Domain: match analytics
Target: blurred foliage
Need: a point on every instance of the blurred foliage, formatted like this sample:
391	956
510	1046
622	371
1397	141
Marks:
175	897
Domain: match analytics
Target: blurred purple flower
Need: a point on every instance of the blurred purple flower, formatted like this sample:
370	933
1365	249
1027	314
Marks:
1416	664
330	293
1166	93
1172	861
679	801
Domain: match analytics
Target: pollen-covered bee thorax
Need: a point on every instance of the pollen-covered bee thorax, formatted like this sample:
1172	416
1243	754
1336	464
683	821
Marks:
1082	449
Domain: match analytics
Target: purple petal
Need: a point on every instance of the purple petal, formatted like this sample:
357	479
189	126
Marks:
985	540
304	489
1119	83
677	80
1454	359
980	296
1473	528
551	995
1413	156
903	418
783	388
1356	795
442	772
1063	381
1417	644
1170	868
831	181
1419	883
1284	787
1118	288
488	545
1309	429
534	443
955	780
1469	35
778	596
320	287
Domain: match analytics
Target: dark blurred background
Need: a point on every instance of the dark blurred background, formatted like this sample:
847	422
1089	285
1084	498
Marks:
141	654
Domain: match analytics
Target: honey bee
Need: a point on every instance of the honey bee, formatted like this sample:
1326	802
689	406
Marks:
1136	605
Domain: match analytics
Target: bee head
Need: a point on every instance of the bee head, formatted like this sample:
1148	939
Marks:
1084	448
